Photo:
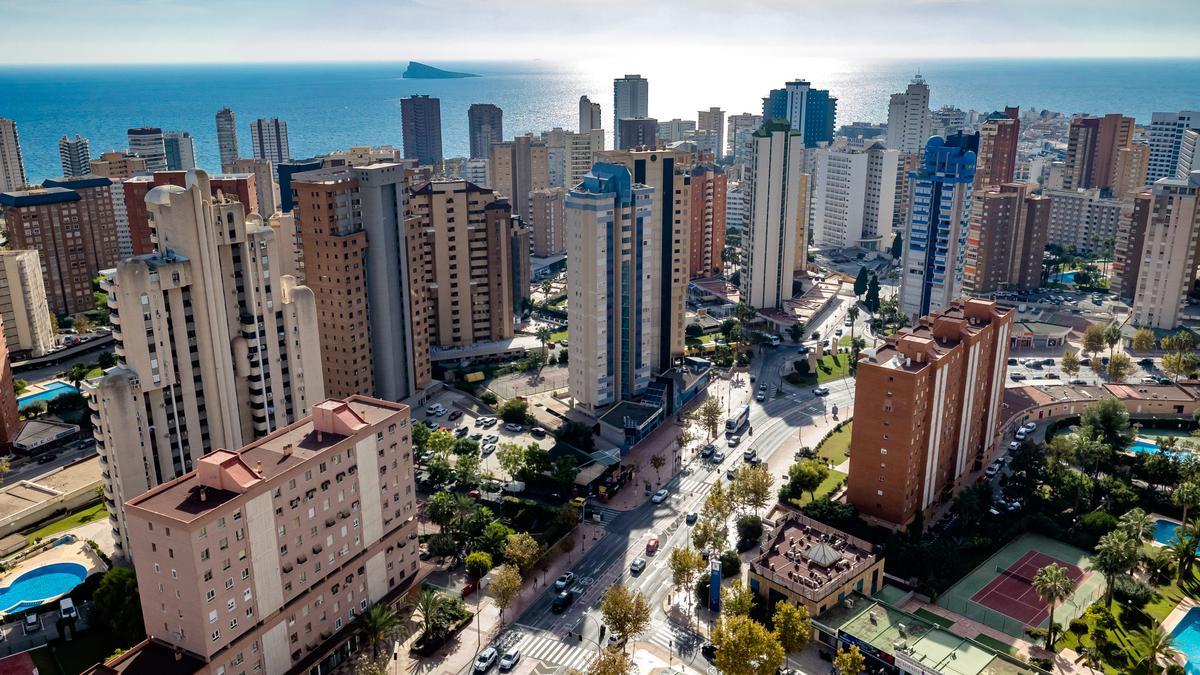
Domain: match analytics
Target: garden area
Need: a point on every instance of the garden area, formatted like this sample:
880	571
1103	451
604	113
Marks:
83	516
830	368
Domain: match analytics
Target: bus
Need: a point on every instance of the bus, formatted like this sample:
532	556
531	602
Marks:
738	420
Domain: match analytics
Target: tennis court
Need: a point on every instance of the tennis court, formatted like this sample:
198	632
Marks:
999	592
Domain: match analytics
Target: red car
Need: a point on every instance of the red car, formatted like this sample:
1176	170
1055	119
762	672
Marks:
652	545
454	414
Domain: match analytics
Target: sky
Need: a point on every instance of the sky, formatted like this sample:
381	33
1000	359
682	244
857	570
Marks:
603	33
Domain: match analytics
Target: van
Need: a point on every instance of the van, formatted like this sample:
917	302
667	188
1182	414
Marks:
66	609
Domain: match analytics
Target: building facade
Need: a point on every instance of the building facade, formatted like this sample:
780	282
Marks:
12	164
262	558
75	155
1007	238
637	132
269	140
1165	138
589	115
518	167
216	347
1092	147
1168	260
1127	251
908	124
929	401
180	149
812	112
631	100
117	166
1084	221
997	161
854	194
776	215
938	223
740	135
421	127
1129	171
485	126
713	120
27	328
266	190
227	141
548	222
707	235
147	143
10	418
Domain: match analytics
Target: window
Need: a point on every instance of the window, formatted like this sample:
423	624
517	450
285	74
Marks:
216	635
210	595
212	616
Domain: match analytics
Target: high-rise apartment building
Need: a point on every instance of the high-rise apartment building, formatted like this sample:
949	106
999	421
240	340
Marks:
1007	238
227	142
518	167
70	223
709	187
373	329
180	149
667	238
261	559
269	139
1129	171
908	125
1169	250
938	222
10	417
579	155
639	132
930	400
249	366
485	126
776	209
741	136
264	183
285	171
421	126
27	327
589	115
521	279
1189	153
854	194
631	100
713	120
1084	221
75	155
547	222
1165	138
137	216
673	131
735	207
458	237
998	138
1127	250
1092	147
147	143
117	166
12	165
812	112
609	253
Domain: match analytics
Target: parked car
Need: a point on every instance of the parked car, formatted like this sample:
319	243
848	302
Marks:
1013	445
760	397
660	496
460	432
734	440
515	428
749	454
707	451
1017	377
1020	435
455	414
1078	381
485	660
820	391
509	660
537	432
691	518
487	449
637	565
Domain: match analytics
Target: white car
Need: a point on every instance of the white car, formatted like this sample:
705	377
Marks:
509	660
1020	435
992	470
1014	445
1029	427
660	496
820	391
486	659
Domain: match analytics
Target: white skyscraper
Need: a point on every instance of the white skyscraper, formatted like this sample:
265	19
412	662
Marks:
12	167
1189	154
854	195
147	143
631	96
776	212
180	149
269	137
227	142
589	115
908	124
76	156
1165	137
739	136
1168	266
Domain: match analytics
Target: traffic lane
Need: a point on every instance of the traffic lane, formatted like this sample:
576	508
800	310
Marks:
31	470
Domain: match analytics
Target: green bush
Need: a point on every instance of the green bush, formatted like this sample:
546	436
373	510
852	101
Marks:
514	410
731	564
488	397
1132	591
1078	627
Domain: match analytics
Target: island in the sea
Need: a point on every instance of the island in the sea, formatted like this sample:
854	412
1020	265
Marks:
420	71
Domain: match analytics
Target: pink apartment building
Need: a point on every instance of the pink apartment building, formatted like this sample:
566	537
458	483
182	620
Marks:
260	559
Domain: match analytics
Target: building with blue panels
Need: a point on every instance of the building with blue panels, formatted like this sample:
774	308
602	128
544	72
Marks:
813	112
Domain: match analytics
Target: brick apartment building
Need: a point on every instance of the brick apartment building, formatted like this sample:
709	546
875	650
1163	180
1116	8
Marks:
928	410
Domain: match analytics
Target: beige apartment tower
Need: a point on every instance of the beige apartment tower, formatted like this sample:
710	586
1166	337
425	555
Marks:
27	329
773	241
216	347
1006	239
547	222
261	558
518	167
1168	257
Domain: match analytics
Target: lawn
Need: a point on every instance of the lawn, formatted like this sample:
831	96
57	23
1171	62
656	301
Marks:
831	367
83	516
831	483
836	447
558	336
94	372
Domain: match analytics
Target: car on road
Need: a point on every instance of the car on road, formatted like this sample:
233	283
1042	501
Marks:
1028	427
1078	381
691	518
849	322
838	332
992	470
564	580
709	650
1017	377
1051	376
730	474
562	601
515	428
485	660
455	414
509	660
637	565
760	396
820	391
652	545
707	451
749	454
46	458
1013	445
734	440
1021	434
660	496
1012	361
717	457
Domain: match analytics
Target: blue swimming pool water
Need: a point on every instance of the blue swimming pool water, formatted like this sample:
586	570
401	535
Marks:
1187	639
1144	447
1063	277
40	585
1164	531
53	390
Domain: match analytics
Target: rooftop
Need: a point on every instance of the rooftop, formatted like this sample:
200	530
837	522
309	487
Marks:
812	558
934	336
149	658
38	197
637	413
36	433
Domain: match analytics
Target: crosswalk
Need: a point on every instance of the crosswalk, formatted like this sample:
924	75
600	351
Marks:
556	651
607	515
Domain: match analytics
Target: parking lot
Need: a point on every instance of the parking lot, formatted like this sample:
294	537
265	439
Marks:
454	411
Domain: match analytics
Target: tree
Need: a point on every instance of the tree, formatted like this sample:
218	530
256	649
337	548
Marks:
20	386
511	457
736	599
685	564
852	314
537	460
543	334
1143	340
860	282
118	605
717	508
82	324
1183	551
693	330
751	487
1093	339
420	437
806	476
707	535
379	624
513	410
441	443
658	462
1186	496
366	664
565	469
796	332
1116	555
897	245
1120	367
468	470
611	661
428	606
1158	646
488	397
5	467
849	662
872	300
1070	363
1138	525
33	409
1052	585
793	627
1179	364
505	586
494	539
522	550
77	373
709	415
441	509
627	613
744	647
479	563
1108	420
1112	337
106	360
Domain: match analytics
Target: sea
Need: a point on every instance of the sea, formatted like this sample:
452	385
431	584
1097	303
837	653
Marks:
331	106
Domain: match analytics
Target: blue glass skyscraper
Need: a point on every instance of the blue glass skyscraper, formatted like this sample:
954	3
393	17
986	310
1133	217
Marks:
813	112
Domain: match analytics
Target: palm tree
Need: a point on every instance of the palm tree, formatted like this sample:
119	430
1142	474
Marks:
464	508
1052	585
1185	496
1089	657
77	373
379	624
543	334
428	606
1183	550
1158	646
657	461
852	314
1137	524
1112	336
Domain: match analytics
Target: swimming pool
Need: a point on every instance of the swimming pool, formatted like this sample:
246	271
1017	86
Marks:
1063	277
41	585
52	391
1187	639
1164	531
1144	447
